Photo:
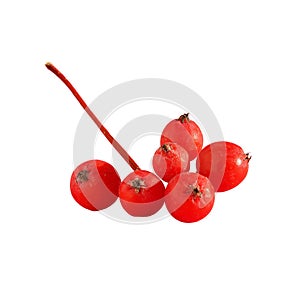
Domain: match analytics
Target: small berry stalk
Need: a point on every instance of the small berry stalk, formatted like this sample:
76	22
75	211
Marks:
106	133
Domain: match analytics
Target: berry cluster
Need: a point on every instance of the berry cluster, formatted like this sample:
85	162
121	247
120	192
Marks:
188	196
220	166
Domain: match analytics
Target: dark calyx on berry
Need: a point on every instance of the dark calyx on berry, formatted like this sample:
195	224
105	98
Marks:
82	176
194	190
184	118
248	156
137	184
166	147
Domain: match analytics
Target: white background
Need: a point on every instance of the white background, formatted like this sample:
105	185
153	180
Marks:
243	59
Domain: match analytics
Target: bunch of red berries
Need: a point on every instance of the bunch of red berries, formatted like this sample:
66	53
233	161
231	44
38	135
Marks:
220	166
188	196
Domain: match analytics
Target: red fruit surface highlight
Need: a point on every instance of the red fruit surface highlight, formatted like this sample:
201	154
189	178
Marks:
184	132
95	184
224	163
169	160
141	193
189	197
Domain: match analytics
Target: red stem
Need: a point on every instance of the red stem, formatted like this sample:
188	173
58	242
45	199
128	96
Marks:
114	143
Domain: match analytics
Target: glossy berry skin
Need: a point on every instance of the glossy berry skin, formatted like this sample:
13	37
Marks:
189	197
141	193
95	184
169	160
224	163
184	132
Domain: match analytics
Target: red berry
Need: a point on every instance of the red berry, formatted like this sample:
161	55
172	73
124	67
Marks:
189	197
184	132
95	184
169	160
141	193
224	163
